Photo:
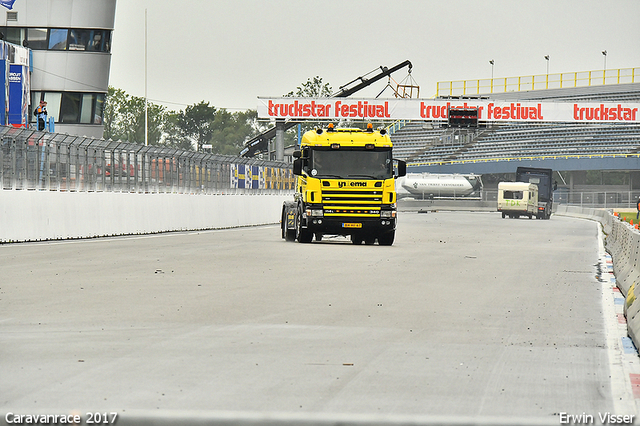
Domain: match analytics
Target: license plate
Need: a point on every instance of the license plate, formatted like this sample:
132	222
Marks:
352	225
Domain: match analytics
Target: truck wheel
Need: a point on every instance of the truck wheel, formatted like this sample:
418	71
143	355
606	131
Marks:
303	235
318	236
287	233
357	240
387	238
369	240
504	215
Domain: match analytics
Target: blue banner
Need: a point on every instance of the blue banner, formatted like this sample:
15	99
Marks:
18	95
7	3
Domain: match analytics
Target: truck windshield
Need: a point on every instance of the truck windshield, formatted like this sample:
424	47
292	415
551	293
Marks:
350	163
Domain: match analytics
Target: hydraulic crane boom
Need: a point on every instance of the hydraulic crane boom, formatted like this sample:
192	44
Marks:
259	143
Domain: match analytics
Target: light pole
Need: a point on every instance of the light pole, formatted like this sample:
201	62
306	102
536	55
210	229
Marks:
491	62
146	100
604	70
547	58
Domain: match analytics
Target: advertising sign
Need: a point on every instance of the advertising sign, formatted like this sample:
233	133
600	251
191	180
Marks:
18	95
436	109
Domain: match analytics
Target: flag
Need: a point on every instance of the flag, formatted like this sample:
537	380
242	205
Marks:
7	3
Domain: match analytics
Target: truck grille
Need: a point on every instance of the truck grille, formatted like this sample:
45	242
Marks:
352	203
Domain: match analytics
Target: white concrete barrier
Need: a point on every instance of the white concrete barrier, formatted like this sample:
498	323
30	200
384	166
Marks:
49	215
622	241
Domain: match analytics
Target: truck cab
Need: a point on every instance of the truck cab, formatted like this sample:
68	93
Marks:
345	185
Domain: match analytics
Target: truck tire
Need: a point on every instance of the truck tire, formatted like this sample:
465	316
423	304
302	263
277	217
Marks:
504	215
287	233
302	235
387	238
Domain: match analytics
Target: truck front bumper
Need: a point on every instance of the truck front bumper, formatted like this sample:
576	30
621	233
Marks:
349	225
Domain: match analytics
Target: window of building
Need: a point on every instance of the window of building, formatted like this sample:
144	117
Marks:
79	39
58	39
97	41
14	35
53	105
37	38
98	112
70	107
86	113
88	40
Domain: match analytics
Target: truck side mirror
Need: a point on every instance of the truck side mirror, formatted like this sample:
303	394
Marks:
297	154
297	166
402	168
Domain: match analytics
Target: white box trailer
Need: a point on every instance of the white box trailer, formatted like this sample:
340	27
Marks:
517	199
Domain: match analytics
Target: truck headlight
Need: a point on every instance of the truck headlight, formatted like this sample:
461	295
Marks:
315	212
388	213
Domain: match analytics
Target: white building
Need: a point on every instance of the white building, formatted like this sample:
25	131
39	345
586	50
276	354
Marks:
71	43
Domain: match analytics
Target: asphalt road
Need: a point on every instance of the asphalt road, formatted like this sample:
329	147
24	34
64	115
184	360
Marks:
466	314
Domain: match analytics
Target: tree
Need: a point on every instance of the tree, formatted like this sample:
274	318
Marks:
173	136
232	130
196	122
124	118
312	88
196	125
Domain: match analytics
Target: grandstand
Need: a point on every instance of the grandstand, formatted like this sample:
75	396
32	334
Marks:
419	145
495	148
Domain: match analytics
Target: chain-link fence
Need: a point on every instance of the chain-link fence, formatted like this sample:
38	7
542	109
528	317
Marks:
59	162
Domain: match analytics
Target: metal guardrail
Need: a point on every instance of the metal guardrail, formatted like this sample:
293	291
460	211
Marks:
34	160
538	82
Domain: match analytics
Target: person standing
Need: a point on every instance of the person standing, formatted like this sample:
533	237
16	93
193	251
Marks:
41	114
638	208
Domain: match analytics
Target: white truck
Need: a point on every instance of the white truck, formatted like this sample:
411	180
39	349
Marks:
517	199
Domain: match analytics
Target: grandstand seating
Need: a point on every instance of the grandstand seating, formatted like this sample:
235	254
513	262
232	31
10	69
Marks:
424	142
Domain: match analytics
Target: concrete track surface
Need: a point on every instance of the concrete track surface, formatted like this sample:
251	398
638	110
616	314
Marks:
467	314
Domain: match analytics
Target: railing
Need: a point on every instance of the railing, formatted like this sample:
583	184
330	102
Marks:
487	199
588	199
538	82
522	158
31	160
396	125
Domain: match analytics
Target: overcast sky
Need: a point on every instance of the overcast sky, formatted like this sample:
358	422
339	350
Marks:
229	52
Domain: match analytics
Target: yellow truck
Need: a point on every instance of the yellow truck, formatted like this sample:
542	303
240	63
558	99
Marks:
517	199
345	185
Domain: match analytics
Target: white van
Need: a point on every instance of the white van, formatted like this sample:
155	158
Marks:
517	199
